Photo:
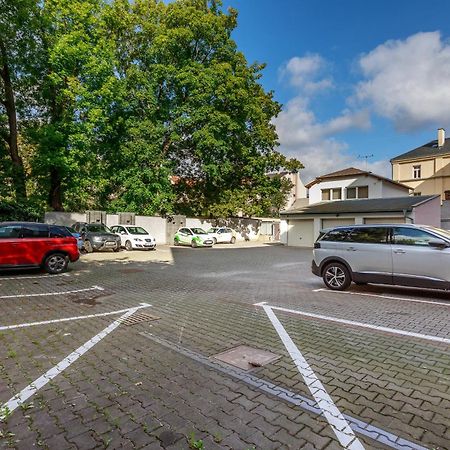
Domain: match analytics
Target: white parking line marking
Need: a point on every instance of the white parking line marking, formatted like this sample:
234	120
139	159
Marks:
46	294
67	319
40	382
360	324
334	417
389	297
37	277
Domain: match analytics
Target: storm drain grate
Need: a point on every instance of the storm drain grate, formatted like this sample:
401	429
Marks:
138	318
246	357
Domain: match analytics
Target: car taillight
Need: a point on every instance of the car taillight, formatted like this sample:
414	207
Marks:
317	245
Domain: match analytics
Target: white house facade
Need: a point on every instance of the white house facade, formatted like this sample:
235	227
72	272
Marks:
352	197
351	184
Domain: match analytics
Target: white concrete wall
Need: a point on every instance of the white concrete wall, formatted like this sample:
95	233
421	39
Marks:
112	219
64	218
391	190
156	226
192	222
377	188
284	226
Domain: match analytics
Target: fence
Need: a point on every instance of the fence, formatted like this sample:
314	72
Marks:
246	229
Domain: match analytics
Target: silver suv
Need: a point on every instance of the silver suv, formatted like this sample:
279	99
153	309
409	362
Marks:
407	255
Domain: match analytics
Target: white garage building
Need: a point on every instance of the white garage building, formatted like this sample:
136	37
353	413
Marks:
301	226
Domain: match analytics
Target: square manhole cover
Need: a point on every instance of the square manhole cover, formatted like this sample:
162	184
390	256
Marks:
139	318
246	357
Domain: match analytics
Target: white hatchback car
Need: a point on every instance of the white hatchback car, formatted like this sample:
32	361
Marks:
133	237
222	234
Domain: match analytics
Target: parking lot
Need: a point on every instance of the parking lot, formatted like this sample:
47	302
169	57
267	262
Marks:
119	352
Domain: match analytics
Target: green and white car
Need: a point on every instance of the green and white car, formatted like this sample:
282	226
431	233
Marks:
195	237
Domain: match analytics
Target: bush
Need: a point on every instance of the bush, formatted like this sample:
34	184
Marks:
10	211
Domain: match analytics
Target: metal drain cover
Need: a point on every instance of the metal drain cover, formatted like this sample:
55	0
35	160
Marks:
138	318
246	357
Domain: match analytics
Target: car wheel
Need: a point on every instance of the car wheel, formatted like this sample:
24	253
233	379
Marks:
214	241
56	263
88	246
117	249
176	242
336	277
233	240
128	246
194	244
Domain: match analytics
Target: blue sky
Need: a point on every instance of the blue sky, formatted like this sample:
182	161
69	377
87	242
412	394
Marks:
356	77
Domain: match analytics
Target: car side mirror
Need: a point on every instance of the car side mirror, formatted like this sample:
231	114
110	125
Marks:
438	244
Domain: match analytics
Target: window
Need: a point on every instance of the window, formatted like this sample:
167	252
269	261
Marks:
337	194
10	231
34	231
369	235
417	172
58	232
337	235
358	192
351	192
447	195
363	192
412	236
325	194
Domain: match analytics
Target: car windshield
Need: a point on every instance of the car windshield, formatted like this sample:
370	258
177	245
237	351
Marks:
98	228
72	230
198	231
136	230
444	233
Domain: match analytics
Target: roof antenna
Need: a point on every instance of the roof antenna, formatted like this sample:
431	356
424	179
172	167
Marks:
366	157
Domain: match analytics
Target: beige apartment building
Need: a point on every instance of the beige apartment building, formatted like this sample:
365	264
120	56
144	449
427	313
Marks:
425	169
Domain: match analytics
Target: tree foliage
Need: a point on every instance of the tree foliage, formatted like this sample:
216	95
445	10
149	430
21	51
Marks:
142	106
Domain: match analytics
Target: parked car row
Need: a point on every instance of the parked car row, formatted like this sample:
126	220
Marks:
96	237
52	247
198	237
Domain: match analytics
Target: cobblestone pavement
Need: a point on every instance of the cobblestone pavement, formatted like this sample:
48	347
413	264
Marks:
156	385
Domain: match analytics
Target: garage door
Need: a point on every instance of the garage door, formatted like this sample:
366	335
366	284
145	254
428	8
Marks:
331	223
373	220
301	233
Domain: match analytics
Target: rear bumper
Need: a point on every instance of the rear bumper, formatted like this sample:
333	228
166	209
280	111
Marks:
315	268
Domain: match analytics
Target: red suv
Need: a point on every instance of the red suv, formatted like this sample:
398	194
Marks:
29	244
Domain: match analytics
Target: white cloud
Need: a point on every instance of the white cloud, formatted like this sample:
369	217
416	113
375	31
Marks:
302	136
407	81
304	73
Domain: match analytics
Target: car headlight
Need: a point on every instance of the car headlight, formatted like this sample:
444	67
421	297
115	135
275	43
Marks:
97	239
138	239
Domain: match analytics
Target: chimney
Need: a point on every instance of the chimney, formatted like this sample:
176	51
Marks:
441	137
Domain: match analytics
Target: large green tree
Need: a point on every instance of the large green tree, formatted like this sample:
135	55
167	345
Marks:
136	105
209	119
19	52
77	89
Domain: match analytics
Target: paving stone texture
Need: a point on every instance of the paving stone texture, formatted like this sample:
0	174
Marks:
151	386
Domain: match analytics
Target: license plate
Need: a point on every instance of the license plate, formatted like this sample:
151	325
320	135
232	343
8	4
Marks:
110	244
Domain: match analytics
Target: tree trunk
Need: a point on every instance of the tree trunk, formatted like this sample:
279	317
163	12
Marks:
55	194
12	136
